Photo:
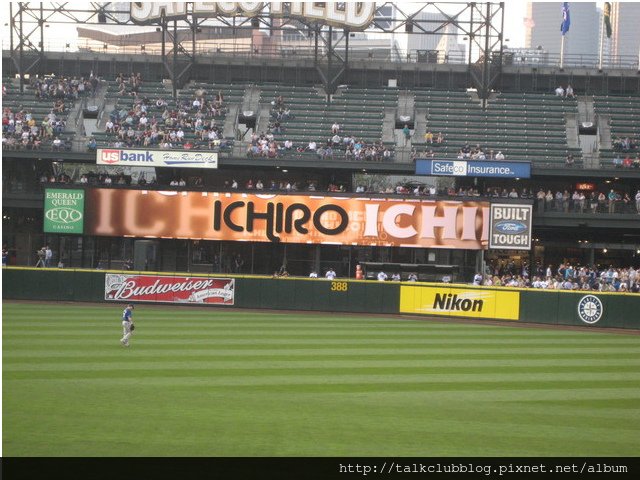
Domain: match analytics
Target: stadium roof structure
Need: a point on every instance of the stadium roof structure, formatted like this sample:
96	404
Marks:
327	23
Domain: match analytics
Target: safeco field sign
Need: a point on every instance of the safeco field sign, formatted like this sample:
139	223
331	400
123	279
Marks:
63	211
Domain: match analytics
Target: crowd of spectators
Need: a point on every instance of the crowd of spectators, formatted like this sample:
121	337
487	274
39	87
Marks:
626	144
565	201
50	87
93	179
193	123
22	129
271	185
562	201
590	202
576	201
563	277
627	161
477	152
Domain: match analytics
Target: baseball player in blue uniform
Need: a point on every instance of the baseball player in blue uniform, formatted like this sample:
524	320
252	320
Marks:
127	325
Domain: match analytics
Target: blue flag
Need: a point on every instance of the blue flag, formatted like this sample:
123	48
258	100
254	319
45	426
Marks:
566	18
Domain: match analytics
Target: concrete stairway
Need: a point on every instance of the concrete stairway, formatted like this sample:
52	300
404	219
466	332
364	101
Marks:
262	120
604	131
571	129
389	125
420	124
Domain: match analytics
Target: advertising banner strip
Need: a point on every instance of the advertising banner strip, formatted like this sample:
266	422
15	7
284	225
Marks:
510	227
288	218
473	168
63	211
460	302
156	158
151	288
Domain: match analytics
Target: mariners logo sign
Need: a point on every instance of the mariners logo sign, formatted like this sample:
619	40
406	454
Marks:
590	309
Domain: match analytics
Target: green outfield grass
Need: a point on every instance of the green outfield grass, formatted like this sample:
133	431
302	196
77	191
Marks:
215	382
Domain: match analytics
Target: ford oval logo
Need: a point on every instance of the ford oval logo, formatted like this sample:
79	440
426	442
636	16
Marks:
510	227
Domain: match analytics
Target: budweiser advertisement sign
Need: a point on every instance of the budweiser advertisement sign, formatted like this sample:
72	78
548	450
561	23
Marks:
311	219
151	288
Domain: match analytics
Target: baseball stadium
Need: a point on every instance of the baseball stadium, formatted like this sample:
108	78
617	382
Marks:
321	229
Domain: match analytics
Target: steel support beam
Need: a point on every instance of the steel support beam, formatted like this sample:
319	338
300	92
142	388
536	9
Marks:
481	23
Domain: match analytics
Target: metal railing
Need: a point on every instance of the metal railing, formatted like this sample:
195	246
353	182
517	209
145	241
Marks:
231	48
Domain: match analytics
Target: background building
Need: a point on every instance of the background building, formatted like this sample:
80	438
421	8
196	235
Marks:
624	44
543	28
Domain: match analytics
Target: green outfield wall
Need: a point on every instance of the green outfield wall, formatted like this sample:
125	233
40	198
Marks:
602	310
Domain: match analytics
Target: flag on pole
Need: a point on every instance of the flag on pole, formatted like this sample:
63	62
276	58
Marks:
607	18
566	18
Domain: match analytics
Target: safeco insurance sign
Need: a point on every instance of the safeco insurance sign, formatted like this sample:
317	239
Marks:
63	211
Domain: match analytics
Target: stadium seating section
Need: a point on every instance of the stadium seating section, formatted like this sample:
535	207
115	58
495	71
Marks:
157	90
39	108
524	126
624	121
359	112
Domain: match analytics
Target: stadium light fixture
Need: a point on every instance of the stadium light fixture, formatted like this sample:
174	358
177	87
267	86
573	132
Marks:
604	250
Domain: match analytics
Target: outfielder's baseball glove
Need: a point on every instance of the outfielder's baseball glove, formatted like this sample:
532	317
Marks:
133	327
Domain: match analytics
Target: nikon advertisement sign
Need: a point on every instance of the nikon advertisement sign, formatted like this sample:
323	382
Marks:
460	302
510	227
63	211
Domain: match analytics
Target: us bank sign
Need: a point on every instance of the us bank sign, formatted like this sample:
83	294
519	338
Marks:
156	158
355	15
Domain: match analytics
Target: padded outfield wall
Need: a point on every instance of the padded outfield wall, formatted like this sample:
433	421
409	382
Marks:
591	309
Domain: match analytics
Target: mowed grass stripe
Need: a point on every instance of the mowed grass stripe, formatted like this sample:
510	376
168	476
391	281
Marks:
324	339
110	315
462	366
295	347
331	353
400	325
178	330
246	383
337	376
